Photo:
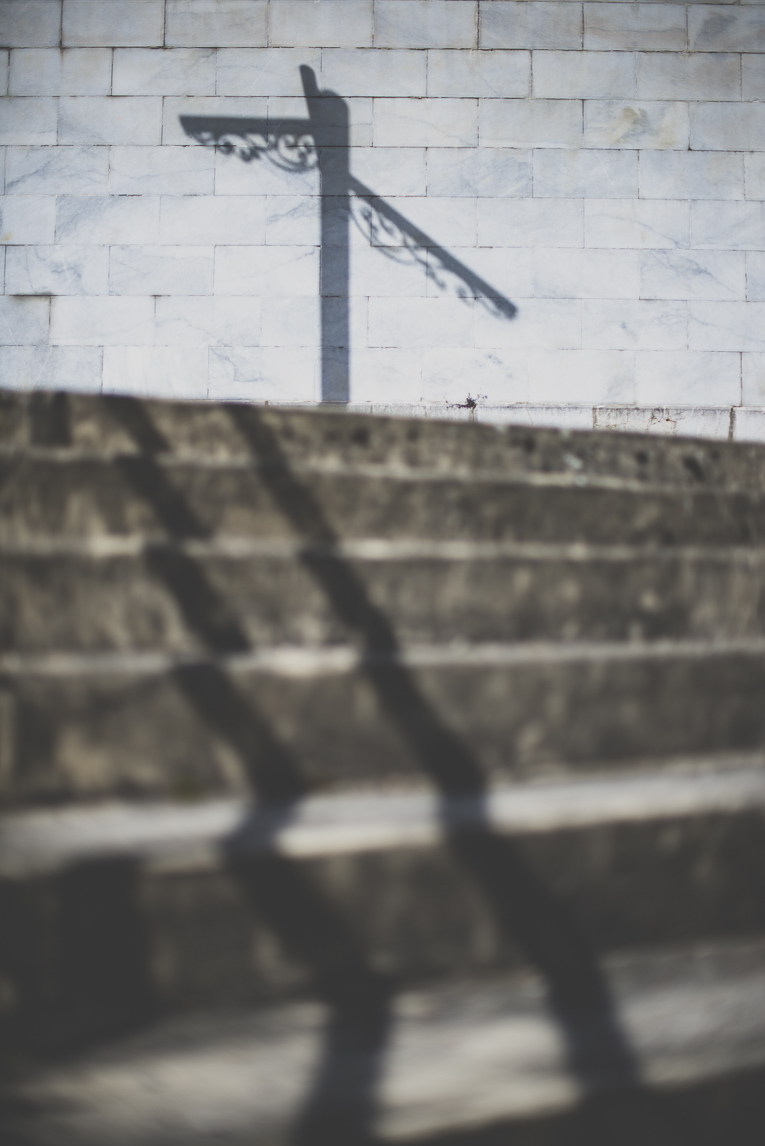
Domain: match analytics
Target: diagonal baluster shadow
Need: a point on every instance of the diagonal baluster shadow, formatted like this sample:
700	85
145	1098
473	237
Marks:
340	1108
322	141
579	996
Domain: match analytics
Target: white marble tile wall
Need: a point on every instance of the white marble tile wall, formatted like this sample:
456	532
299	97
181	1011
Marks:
601	165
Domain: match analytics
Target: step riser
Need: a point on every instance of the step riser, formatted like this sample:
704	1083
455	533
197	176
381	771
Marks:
272	928
160	601
89	499
200	729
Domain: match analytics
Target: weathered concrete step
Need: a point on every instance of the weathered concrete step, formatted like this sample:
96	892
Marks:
202	429
447	1059
283	721
184	598
86	497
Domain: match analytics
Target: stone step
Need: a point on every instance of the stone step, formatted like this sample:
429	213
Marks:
284	721
122	425
76	496
119	594
648	1058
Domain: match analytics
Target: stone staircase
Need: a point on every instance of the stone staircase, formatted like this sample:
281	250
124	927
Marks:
377	780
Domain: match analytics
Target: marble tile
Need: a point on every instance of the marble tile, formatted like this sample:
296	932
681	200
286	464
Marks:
561	273
51	368
24	321
496	74
215	23
28	122
749	425
752	77
540	323
125	24
727	326
262	177
164	71
709	275
262	374
706	76
426	23
166	270
636	223
693	422
107	219
56	171
530	222
420	322
752	382
585	174
30	23
610	123
293	220
691	175
56	270
634	325
445	222
530	123
208	321
568	417
156	371
27	219
50	71
161	171
755	276
393	272
173	107
371	72
321	24
508	272
628	27
690	378
264	71
584	75
566	376
479	171
296	321
110	119
259	271
385	376
390	170
209	220
495	377
728	127
724	29
505	24
106	321
754	175
728	226
425	122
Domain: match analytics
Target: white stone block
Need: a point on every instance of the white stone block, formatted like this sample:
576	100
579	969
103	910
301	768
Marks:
420	322
110	220
571	417
51	368
371	72
390	170
262	374
161	270
216	23
4	69
585	174
56	270
755	276
30	23
209	220
530	222
27	219
706	75
479	171
290	321
754	175
752	78
575	376
691	175
692	274
690	378
385	376
395	272
321	24
727	326
495	377
164	71
728	127
477	73
505	24
156	371
584	75
228	108
161	171
293	220
637	223
49	71
508	273
208	321
645	125
264	71
23	320
626	27
106	321
530	123
540	323
425	122
264	270
749	425
728	226
586	274
56	171
752	381
721	28
693	422
261	177
126	23
358	129
28	121
426	23
445	222
110	119
634	325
